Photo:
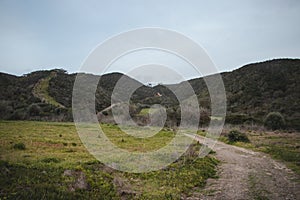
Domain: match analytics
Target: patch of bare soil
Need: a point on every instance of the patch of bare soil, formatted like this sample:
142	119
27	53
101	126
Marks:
244	174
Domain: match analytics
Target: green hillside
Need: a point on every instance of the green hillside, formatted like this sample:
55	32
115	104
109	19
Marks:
252	92
256	89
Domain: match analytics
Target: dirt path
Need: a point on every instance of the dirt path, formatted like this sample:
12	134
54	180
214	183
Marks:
244	174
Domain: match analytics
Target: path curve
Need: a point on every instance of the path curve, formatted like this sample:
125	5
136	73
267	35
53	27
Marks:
245	174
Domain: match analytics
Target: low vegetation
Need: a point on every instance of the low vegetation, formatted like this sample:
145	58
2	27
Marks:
274	121
237	136
41	89
19	146
253	91
280	145
55	165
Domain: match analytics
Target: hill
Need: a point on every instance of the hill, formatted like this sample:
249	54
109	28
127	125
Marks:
252	91
256	89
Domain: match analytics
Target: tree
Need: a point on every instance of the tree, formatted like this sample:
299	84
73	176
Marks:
274	121
34	110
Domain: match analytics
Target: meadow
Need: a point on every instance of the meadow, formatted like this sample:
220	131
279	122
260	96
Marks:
46	160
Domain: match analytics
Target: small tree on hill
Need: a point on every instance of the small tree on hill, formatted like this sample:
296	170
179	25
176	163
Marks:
274	121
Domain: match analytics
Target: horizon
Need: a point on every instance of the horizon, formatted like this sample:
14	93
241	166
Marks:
39	35
159	82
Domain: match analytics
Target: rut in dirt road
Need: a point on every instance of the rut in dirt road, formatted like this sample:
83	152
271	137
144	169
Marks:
244	174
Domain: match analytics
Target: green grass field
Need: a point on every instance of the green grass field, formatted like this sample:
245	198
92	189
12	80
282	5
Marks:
46	160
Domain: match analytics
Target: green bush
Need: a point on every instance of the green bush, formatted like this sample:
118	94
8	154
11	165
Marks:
19	146
19	114
34	110
50	160
240	119
74	144
236	136
274	121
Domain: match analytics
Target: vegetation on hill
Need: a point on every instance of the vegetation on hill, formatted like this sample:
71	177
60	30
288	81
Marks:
41	91
19	97
255	90
261	88
252	91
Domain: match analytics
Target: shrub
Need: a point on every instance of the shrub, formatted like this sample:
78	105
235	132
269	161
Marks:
20	146
236	136
3	163
105	112
204	117
274	121
34	110
74	144
240	119
50	160
19	114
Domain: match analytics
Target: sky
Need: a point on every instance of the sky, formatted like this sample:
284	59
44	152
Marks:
37	34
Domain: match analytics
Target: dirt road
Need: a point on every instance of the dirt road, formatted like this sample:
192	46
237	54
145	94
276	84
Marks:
244	174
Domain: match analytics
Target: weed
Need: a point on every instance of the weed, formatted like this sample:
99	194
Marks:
236	136
51	160
74	144
19	146
257	191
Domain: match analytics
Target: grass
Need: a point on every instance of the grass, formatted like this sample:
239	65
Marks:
147	111
255	189
20	146
135	144
21	181
181	177
281	146
41	91
36	172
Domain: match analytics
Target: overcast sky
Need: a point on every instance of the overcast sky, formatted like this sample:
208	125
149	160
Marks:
60	34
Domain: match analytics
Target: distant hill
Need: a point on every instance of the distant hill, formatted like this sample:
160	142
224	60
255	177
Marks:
256	89
252	92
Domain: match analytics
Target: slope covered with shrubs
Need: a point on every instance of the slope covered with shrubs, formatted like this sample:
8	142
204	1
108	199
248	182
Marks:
252	91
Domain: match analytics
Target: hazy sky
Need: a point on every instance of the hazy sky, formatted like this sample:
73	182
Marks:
60	34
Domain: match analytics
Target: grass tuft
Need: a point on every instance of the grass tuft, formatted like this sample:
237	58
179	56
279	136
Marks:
19	146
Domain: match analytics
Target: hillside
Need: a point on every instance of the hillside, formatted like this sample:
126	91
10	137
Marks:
256	89
252	92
